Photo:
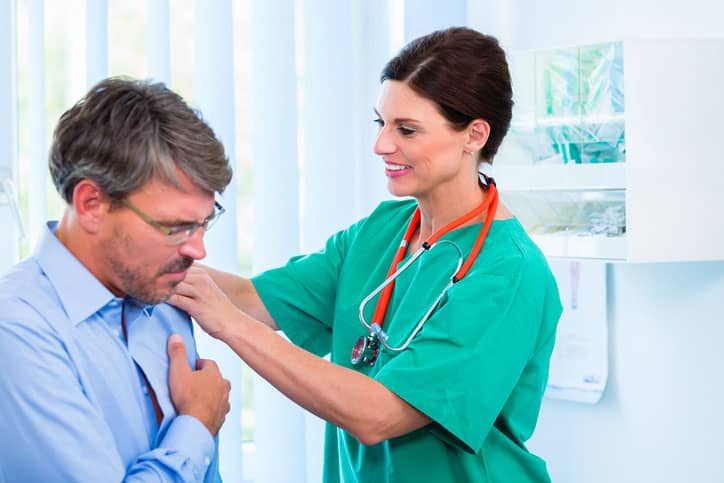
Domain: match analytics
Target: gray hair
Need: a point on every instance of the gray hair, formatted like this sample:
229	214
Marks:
125	132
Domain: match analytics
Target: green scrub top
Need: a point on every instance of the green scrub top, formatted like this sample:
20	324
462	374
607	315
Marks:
478	367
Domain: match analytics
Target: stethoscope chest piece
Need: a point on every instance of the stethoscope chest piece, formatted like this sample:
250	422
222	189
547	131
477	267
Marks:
365	350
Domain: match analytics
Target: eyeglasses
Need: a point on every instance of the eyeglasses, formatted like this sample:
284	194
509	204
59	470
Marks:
178	234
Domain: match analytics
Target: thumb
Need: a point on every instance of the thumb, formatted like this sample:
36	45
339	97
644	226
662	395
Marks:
177	362
178	301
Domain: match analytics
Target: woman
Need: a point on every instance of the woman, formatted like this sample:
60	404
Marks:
455	400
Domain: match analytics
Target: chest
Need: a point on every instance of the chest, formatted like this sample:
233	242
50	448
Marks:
115	375
419	289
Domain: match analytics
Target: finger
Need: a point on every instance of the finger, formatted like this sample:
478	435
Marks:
207	365
197	273
196	268
177	362
183	302
193	274
186	288
199	279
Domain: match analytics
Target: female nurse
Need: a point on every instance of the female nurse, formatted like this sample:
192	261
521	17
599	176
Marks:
425	384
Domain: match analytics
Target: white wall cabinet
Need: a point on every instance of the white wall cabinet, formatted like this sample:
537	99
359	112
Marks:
620	158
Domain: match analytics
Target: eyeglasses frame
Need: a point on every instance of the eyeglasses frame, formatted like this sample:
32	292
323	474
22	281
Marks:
172	231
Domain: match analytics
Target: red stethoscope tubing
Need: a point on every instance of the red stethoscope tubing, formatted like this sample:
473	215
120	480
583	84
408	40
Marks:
490	201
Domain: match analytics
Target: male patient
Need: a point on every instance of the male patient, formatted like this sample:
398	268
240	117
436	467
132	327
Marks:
93	386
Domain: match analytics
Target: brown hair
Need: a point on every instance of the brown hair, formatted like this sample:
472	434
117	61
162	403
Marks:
465	73
125	132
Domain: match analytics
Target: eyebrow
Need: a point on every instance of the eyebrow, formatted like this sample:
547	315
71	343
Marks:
399	120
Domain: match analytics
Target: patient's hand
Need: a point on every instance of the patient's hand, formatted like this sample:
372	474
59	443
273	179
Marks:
203	393
198	295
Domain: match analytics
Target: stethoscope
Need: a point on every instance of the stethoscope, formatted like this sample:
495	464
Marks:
368	347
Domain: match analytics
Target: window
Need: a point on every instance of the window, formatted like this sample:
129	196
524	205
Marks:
51	76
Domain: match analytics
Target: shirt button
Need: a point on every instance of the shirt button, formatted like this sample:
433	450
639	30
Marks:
207	461
145	389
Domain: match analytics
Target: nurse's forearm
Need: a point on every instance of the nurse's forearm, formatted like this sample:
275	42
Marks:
350	400
242	293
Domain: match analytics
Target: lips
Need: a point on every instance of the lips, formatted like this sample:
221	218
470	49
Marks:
394	170
177	266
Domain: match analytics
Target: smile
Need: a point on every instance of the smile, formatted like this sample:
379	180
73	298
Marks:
396	167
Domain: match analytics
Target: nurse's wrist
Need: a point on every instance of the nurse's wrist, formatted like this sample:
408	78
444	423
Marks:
230	320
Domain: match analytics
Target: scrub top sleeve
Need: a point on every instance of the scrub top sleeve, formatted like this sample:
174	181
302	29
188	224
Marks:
464	364
301	295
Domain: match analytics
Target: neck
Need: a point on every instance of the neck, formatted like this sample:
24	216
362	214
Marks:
79	243
436	213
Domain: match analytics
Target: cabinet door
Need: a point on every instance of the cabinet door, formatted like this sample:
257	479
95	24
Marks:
656	148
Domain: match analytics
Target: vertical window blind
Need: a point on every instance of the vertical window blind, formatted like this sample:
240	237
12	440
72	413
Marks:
287	85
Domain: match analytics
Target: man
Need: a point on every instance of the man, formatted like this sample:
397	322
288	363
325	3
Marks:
87	391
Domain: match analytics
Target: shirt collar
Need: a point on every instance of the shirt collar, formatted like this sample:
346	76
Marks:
79	290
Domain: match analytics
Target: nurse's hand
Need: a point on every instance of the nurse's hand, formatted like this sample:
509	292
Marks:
198	295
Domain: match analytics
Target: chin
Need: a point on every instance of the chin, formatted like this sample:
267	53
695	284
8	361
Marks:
398	191
161	294
154	297
164	295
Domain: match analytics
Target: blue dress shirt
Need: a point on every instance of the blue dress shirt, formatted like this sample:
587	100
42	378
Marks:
73	403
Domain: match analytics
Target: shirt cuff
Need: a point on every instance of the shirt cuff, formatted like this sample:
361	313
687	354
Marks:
190	437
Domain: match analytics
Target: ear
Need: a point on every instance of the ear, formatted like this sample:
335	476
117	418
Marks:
90	205
477	132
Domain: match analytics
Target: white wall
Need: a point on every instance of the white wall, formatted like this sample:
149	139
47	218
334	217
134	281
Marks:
662	414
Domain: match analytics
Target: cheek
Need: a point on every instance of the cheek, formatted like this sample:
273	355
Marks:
437	155
120	252
143	256
417	153
152	259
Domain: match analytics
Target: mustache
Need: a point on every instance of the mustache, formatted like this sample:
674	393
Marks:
177	265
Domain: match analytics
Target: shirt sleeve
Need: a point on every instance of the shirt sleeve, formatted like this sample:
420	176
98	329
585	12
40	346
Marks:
51	430
463	366
301	295
186	450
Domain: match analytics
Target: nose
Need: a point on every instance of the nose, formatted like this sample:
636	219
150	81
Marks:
194	246
384	143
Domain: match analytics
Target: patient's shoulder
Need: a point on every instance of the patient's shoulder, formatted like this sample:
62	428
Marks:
27	296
